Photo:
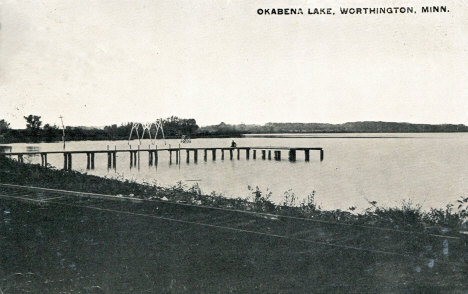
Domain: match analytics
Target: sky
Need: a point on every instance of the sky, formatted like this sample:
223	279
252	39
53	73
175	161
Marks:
102	62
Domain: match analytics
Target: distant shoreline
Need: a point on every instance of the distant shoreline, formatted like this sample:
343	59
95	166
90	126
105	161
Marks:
175	128
312	135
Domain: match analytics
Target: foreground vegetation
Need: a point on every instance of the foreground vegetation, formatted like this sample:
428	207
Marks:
408	216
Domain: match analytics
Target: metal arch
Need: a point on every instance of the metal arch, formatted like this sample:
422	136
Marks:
135	127
147	128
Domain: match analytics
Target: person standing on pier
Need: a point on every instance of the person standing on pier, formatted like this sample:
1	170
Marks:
233	144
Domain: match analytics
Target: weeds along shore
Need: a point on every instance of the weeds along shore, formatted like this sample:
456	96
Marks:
409	216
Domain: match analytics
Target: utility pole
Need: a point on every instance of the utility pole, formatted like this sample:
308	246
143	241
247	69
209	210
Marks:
63	132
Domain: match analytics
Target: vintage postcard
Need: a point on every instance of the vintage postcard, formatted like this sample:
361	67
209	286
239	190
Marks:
157	146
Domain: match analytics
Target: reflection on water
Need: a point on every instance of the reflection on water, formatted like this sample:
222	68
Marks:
33	148
429	169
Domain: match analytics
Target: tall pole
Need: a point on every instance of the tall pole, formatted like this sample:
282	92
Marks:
63	132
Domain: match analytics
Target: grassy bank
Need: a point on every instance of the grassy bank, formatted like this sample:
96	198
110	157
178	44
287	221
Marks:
114	248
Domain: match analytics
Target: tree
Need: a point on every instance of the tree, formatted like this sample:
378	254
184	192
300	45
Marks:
33	126
112	131
50	133
189	126
4	126
33	122
175	126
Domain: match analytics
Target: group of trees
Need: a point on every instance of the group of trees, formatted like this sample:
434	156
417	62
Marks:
32	133
174	127
223	130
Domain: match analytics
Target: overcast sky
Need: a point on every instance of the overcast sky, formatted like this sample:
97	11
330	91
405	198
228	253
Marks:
103	62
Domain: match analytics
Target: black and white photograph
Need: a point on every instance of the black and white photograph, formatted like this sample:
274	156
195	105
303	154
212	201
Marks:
220	146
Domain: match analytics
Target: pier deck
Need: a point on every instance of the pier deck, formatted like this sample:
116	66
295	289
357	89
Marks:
267	152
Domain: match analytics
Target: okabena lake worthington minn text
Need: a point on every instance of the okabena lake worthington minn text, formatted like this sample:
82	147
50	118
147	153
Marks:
351	10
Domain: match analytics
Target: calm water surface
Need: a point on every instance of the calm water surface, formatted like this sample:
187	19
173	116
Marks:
428	169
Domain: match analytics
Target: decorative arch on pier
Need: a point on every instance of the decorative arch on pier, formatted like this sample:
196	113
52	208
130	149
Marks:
147	127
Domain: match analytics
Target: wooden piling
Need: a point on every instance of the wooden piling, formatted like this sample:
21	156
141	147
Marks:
247	154
188	155
238	153
138	156
292	154
277	155
195	155
307	154
222	154
269	154
109	160
67	161
206	154
92	160
44	159
88	160
263	154
114	158
321	154
231	156
255	154
214	153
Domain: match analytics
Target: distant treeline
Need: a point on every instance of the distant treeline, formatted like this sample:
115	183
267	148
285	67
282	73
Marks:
362	127
175	127
351	127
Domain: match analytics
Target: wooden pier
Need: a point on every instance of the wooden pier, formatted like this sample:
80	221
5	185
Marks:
174	153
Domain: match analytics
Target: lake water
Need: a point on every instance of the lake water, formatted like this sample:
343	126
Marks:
428	169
